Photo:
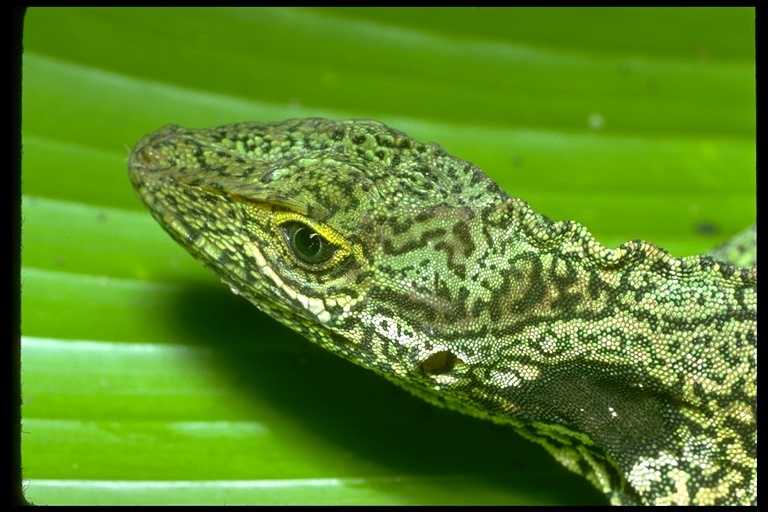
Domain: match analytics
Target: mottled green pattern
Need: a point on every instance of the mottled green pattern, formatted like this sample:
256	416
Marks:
633	368
739	250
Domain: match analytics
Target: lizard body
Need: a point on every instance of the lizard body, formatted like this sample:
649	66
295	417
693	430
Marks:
633	368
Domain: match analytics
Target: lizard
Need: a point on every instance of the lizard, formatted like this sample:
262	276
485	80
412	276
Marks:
632	367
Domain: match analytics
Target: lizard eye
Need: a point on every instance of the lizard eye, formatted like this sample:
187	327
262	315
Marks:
306	244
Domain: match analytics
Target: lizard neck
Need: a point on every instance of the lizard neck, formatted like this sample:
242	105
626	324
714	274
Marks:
583	335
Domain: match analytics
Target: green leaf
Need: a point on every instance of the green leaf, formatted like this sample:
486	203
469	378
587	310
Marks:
145	380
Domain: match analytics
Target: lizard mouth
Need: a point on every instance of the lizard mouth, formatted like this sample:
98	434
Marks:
147	165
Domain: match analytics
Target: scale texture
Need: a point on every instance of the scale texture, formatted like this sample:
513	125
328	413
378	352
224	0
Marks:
631	367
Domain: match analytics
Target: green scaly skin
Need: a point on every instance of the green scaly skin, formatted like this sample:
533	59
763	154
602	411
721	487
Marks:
633	368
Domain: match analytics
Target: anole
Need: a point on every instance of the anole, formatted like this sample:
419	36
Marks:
633	368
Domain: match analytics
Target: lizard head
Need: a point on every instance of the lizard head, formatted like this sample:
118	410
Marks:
349	232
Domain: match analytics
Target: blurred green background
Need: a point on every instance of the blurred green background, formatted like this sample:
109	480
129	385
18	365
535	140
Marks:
145	380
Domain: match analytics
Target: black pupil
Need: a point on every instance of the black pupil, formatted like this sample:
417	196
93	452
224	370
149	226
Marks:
307	244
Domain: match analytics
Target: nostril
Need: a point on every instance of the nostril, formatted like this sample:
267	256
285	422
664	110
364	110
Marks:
155	151
143	158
